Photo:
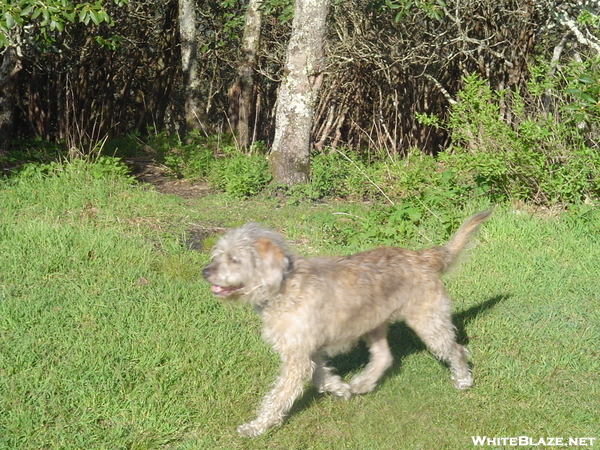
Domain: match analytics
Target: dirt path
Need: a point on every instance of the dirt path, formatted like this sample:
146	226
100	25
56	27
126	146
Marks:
146	170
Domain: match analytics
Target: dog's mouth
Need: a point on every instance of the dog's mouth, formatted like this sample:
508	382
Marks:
225	291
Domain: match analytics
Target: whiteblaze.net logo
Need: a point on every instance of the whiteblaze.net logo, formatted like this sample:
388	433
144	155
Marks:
526	441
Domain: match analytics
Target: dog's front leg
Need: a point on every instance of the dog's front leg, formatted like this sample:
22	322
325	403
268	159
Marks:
278	402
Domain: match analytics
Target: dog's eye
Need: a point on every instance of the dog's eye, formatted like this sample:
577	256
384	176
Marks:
234	259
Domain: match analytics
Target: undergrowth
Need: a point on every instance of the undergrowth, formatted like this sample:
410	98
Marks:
542	159
240	174
189	158
505	147
215	158
537	158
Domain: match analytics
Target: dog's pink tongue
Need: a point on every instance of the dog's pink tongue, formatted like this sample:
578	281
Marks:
217	289
220	290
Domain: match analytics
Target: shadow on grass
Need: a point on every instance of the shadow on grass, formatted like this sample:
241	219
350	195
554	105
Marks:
403	342
462	319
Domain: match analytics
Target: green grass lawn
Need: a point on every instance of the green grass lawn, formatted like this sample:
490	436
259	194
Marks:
109	338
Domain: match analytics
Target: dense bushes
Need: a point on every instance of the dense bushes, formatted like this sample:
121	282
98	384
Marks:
216	159
505	146
541	158
502	148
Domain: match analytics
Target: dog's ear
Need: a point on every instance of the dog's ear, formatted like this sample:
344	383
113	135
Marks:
273	261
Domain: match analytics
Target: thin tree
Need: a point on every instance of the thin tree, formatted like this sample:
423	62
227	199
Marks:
303	75
9	68
194	107
241	93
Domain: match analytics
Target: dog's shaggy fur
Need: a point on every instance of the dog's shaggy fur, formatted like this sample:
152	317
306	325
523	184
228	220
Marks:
319	307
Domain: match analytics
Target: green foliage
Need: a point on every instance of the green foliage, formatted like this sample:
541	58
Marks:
48	16
233	24
574	87
586	93
329	174
539	158
215	158
31	150
334	173
407	176
434	9
430	120
189	159
127	146
410	193
440	206
239	174
101	168
385	225
282	9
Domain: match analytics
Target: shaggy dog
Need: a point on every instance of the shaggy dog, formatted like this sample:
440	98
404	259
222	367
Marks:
319	307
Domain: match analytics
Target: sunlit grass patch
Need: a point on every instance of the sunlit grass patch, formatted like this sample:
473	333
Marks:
110	339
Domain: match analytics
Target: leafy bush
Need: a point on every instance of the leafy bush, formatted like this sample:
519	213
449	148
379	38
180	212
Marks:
239	174
103	167
191	158
385	225
402	177
538	158
31	151
334	174
403	223
570	90
421	193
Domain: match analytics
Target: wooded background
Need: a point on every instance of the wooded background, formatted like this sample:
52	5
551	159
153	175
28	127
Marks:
79	73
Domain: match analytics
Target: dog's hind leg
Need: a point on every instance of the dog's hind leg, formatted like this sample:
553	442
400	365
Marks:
438	334
325	381
277	403
381	359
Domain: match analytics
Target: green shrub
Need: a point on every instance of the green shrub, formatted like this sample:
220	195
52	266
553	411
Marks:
333	173
402	223
571	90
191	158
537	158
421	193
102	167
402	177
239	174
31	151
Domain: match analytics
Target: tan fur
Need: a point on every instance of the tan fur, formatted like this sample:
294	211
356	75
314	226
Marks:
319	307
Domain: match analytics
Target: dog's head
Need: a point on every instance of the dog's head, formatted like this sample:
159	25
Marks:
249	262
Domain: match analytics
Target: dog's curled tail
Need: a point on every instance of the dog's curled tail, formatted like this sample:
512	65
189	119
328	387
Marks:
457	243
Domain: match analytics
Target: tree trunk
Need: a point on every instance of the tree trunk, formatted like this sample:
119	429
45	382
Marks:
241	94
9	68
194	107
289	159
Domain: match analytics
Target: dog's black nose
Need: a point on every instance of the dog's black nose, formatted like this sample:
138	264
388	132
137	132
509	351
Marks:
206	272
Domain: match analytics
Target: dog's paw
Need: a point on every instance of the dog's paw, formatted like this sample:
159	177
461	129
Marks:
463	383
362	385
342	391
251	429
337	387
